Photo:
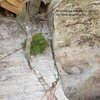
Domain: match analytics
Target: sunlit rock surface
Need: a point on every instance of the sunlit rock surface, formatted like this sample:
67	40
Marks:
17	81
77	46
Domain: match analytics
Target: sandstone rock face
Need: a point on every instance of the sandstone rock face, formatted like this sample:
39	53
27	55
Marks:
77	47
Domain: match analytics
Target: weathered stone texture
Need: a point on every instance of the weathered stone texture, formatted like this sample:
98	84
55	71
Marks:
17	81
77	47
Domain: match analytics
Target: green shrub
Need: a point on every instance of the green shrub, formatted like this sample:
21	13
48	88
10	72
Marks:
38	44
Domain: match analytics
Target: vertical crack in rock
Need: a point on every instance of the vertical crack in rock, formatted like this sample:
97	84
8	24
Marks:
41	79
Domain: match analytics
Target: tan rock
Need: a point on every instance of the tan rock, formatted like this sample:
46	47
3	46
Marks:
1	98
78	21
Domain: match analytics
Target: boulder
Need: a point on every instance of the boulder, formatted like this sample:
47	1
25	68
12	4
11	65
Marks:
76	40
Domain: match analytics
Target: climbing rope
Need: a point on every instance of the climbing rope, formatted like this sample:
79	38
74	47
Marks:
52	90
50	94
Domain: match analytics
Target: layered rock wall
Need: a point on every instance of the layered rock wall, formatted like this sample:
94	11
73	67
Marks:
75	25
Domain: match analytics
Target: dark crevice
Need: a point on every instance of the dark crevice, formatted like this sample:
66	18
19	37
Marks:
43	8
